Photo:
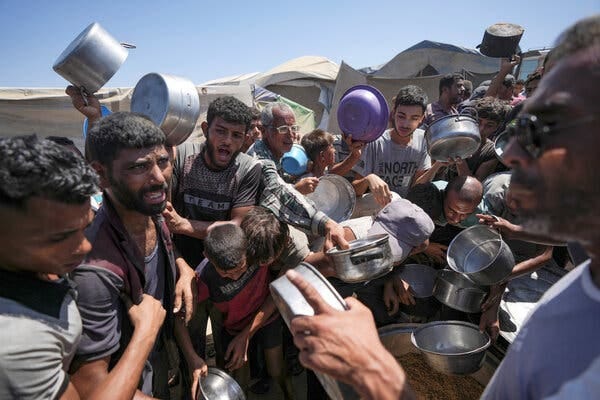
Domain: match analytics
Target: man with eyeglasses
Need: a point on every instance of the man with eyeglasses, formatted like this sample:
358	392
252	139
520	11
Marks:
556	190
286	202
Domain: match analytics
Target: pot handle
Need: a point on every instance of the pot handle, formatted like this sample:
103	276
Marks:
367	255
470	111
128	45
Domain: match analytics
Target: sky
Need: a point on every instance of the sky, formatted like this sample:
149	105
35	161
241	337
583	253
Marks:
206	40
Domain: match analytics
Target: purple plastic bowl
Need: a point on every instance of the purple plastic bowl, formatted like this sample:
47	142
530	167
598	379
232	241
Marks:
363	113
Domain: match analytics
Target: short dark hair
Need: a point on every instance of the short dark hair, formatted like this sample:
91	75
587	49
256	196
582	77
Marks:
225	246
267	236
448	80
491	108
534	76
118	131
428	197
230	109
63	141
316	142
411	95
30	167
468	188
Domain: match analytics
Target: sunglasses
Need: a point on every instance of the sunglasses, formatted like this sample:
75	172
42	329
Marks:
530	131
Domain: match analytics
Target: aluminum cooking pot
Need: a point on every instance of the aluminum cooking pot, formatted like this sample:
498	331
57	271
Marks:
171	102
501	40
291	303
452	347
422	280
219	385
91	59
453	136
364	260
334	196
481	255
458	292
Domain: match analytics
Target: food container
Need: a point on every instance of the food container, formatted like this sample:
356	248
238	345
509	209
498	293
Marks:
453	136
334	196
501	40
364	260
291	303
458	292
421	279
452	347
500	144
171	102
481	255
363	113
295	161
218	385
91	59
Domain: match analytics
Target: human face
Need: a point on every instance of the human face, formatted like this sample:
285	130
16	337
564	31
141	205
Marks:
235	273
406	119
531	86
46	237
487	127
556	189
139	179
280	143
253	133
456	91
456	210
224	141
505	92
328	156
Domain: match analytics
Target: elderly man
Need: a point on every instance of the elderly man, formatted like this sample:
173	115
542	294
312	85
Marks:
286	202
557	192
451	88
45	207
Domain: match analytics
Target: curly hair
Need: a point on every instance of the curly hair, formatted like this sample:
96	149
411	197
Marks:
411	95
316	142
30	167
491	108
267	236
225	246
121	130
231	110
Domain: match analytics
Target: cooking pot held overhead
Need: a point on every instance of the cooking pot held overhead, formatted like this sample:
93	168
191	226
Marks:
453	136
501	40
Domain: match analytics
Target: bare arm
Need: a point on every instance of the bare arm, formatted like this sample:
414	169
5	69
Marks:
194	228
344	167
184	289
93	380
196	365
506	66
516	232
380	189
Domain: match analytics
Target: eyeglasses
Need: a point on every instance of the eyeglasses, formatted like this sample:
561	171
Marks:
530	131
285	129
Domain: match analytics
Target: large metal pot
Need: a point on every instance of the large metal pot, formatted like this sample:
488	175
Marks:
334	196
171	102
453	136
421	279
91	59
291	303
364	260
219	385
452	347
456	291
501	40
481	255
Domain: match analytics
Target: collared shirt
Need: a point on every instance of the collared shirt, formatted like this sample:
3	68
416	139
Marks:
436	111
289	205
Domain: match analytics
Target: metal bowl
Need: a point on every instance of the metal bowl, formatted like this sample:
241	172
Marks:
218	385
452	347
481	255
334	196
453	136
421	279
458	292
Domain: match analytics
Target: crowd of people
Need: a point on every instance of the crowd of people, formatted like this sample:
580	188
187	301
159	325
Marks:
113	261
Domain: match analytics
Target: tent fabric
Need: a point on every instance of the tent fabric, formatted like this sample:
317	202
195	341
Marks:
305	117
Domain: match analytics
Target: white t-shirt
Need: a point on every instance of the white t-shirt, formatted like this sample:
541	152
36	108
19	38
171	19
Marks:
396	164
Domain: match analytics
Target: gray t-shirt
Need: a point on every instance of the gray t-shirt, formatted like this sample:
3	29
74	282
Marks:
396	164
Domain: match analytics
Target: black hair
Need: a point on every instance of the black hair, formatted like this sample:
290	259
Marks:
63	141
428	197
231	110
448	80
316	142
225	246
121	130
491	108
468	188
267	236
411	95
30	167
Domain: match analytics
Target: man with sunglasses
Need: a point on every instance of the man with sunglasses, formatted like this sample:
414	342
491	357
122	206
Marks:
557	192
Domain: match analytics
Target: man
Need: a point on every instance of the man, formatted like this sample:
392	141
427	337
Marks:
394	161
451	90
287	203
254	131
131	254
557	192
503	83
45	208
532	82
